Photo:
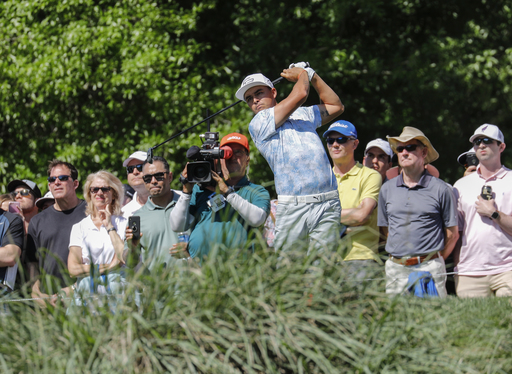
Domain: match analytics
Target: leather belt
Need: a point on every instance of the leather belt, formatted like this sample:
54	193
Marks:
414	260
319	198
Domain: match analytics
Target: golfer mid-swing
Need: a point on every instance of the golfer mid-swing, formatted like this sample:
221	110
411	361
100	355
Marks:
285	133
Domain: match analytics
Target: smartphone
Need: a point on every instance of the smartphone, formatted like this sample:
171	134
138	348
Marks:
134	224
486	192
14	207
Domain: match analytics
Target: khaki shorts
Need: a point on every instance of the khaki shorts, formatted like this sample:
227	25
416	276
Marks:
483	286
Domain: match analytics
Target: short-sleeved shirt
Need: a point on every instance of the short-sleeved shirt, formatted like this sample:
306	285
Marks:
48	238
294	152
486	249
355	186
11	232
97	247
131	207
225	226
416	217
157	236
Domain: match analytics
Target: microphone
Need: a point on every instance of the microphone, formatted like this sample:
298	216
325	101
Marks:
228	152
193	152
149	157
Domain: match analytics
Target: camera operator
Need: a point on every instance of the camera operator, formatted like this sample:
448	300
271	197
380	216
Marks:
485	223
469	161
222	214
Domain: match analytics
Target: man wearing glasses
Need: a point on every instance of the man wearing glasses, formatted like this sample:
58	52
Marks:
133	165
157	237
26	193
358	187
418	214
309	211
485	222
49	232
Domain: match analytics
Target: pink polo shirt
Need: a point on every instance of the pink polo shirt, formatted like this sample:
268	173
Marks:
486	248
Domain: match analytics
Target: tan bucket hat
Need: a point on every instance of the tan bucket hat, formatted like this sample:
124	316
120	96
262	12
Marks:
410	133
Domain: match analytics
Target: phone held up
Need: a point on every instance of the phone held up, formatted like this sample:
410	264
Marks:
486	192
15	207
134	225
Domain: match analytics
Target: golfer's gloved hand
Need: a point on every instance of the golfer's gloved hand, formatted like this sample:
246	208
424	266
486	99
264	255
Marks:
305	66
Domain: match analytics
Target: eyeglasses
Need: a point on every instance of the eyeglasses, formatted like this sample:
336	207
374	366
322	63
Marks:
62	178
408	147
95	190
23	192
158	176
340	140
479	141
131	168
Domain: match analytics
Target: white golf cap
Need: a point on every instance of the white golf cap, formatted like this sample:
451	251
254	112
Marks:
251	81
47	197
489	131
139	155
380	143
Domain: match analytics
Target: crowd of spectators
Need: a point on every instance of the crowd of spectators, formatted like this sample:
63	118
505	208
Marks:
62	246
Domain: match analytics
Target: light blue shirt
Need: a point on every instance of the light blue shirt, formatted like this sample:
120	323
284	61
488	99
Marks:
294	152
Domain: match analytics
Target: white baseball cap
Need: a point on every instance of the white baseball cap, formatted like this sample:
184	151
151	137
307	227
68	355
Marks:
47	197
251	81
490	131
380	143
139	155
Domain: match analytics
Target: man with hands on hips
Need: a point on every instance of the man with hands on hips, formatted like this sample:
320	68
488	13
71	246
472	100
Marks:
221	215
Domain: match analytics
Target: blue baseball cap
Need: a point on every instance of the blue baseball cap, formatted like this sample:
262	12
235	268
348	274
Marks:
343	127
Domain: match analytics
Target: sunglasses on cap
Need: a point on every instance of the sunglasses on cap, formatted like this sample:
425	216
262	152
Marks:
62	178
408	147
340	140
23	192
479	141
158	176
131	168
95	190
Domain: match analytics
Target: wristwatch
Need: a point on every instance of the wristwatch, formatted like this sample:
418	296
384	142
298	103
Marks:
229	192
111	229
495	215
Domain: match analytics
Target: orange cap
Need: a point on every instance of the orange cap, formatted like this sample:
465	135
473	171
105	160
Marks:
235	138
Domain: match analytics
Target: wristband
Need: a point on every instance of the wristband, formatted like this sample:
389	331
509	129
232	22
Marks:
111	229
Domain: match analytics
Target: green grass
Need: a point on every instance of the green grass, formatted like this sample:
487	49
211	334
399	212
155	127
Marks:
248	315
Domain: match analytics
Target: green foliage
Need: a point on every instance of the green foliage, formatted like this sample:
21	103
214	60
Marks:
237	315
92	81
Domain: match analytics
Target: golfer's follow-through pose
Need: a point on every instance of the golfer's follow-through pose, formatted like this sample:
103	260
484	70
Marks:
285	133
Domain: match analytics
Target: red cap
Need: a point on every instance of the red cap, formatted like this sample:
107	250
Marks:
235	138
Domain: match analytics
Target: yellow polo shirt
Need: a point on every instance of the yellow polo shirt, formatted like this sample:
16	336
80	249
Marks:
358	184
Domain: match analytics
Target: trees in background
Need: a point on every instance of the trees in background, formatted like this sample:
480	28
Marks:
92	81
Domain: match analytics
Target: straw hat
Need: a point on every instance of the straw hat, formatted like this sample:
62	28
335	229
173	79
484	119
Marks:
410	133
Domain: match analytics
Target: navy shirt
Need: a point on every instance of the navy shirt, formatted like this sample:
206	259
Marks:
416	217
11	232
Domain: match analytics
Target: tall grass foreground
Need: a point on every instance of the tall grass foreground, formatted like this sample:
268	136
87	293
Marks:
260	314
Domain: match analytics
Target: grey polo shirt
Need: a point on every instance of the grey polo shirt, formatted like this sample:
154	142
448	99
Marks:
416	217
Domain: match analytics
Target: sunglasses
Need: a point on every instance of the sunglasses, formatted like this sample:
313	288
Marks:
95	190
479	141
62	178
158	176
23	192
408	147
341	140
130	169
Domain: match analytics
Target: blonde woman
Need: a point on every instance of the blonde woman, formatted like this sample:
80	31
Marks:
98	240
